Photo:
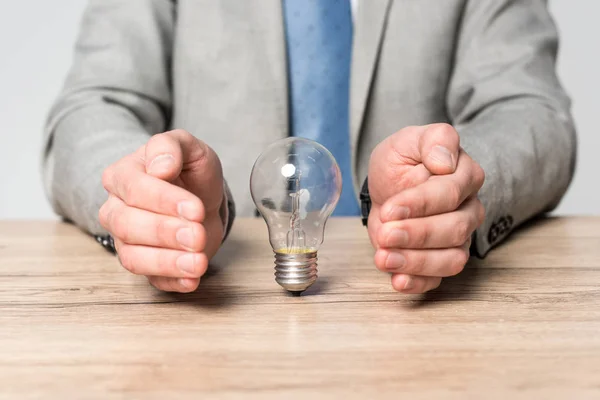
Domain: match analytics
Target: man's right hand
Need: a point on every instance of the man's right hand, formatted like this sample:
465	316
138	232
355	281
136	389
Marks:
163	210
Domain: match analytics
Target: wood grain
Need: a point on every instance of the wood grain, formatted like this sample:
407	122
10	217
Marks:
523	323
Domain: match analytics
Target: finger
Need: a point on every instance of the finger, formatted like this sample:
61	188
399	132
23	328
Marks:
154	261
373	225
439	147
178	154
140	227
395	164
181	285
431	149
434	263
163	157
436	146
440	194
410	284
436	232
128	181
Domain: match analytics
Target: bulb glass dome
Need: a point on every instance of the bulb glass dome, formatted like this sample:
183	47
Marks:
295	184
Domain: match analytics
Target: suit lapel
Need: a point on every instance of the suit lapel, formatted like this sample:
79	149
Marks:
369	27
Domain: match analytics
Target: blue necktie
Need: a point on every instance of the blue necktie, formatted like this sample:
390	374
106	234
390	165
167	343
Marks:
319	47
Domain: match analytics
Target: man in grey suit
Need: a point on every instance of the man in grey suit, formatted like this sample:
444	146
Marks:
439	92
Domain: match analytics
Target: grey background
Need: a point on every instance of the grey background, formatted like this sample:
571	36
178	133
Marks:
36	41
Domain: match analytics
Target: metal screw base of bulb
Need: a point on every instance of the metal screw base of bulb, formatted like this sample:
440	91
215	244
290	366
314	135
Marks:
296	272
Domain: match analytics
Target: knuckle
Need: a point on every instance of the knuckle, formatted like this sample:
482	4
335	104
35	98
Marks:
459	260
480	212
416	261
203	153
201	235
202	264
199	164
444	131
380	260
443	128
478	175
104	215
118	229
418	234
462	232
120	225
118	245
107	177
137	191
467	245
373	231
154	143
382	235
127	259
165	261
131	192
453	195
164	199
180	133
419	205
113	217
162	231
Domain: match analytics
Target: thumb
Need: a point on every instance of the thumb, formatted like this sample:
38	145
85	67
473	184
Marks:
439	146
178	154
163	157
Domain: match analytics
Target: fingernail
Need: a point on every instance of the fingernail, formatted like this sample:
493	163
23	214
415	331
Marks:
185	237
188	210
161	164
395	261
442	155
186	283
397	212
408	282
396	238
187	263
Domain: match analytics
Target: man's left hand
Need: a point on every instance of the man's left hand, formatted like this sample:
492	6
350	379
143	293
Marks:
423	189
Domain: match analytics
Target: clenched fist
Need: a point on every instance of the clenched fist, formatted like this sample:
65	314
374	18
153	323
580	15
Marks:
163	210
423	189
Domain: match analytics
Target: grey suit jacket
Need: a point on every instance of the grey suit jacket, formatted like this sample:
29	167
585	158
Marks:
218	70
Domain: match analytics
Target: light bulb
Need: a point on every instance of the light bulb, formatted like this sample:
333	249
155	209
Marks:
295	184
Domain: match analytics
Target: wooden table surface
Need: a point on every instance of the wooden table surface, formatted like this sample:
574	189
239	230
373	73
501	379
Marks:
523	323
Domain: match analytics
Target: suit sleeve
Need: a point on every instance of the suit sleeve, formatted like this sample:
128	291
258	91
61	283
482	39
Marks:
117	95
512	115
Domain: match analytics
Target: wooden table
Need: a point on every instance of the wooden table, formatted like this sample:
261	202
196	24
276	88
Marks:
523	323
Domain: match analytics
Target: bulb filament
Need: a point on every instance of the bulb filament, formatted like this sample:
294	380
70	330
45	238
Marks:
296	236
